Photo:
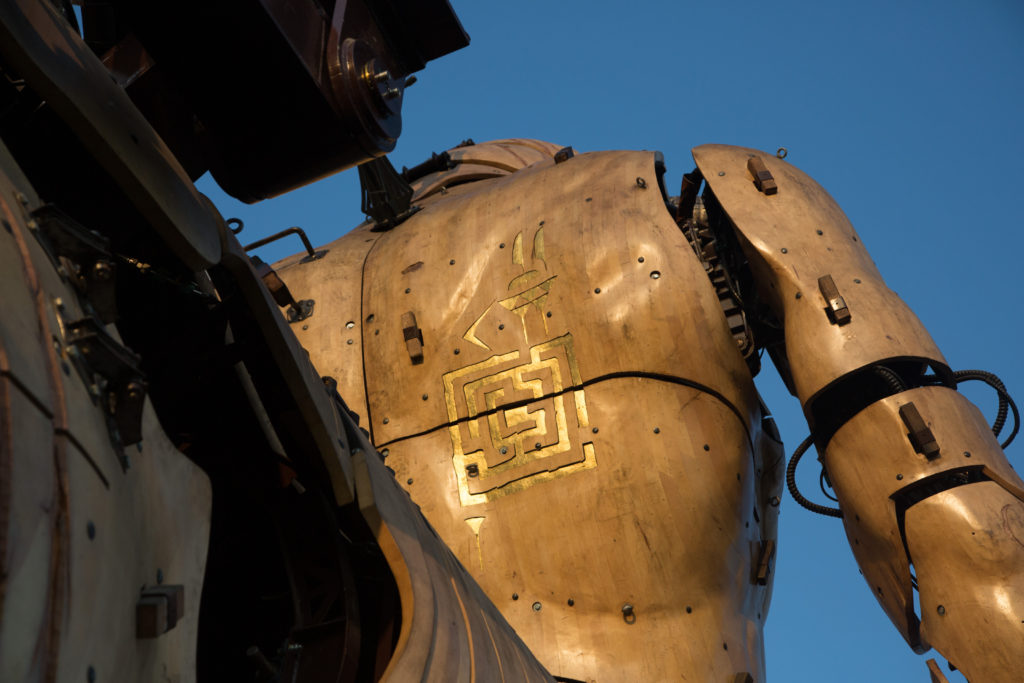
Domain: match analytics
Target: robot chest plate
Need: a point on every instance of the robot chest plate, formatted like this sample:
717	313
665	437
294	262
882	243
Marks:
491	311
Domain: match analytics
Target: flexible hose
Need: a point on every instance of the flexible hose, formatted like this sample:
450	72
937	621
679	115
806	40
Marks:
795	492
1005	401
895	382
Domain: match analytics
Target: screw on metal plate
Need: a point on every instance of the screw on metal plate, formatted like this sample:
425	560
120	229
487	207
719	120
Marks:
940	609
655	274
536	606
301	310
628	615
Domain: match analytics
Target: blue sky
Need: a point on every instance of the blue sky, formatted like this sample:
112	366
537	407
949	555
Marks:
908	113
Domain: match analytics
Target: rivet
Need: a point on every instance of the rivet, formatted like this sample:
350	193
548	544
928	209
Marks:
967	454
899	477
628	615
386	420
689	609
857	280
409	480
376	332
725	646
451	262
784	250
657	430
90	675
456	352
589	199
369	318
503	450
641	183
548	314
305	327
349	341
515	596
721	173
537	445
819	232
159	575
594	430
738	477
774	502
798	295
407	290
350	324
597	290
655	274
424	397
940	609
536	607
473	470
386	452
501	246
90	529
707	447
570	602
640	260
501	326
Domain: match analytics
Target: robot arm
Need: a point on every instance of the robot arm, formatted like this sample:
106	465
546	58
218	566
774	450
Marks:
925	491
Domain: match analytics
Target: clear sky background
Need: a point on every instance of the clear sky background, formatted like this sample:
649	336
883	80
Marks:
908	113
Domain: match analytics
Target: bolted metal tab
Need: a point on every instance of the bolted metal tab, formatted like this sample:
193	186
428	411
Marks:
763	179
920	435
413	337
838	312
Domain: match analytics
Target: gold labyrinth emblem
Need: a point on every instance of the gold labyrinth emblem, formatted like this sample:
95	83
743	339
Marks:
502	450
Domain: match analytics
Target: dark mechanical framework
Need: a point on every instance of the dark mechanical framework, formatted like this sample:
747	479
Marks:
194	486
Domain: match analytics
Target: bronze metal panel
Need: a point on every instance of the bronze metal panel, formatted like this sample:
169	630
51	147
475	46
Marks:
28	512
871	458
968	549
794	237
577	255
334	334
450	630
154	516
657	514
62	69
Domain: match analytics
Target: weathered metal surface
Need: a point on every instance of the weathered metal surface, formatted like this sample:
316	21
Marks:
794	237
542	298
871	459
667	522
968	548
82	525
573	261
450	631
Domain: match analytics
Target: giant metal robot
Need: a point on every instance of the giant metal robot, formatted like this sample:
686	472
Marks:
505	430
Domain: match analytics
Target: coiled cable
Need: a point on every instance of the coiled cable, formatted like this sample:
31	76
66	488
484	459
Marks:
795	492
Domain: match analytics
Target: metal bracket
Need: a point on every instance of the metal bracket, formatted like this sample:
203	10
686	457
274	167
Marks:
413	337
126	386
158	610
82	255
763	179
838	312
921	437
767	553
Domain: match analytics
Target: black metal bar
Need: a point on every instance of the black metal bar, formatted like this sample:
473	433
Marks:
284	233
